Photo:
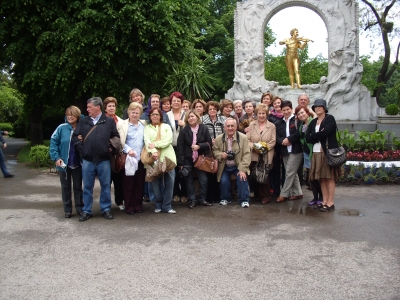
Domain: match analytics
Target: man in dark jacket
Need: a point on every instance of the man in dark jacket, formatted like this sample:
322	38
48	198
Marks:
288	139
92	139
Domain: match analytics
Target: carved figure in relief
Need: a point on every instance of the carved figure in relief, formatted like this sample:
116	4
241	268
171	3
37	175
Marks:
338	22
351	36
292	59
344	84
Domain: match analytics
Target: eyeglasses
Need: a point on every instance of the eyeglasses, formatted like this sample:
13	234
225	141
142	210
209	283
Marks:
155	115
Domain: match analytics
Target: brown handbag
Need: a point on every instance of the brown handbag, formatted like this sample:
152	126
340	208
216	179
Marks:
146	156
120	159
207	163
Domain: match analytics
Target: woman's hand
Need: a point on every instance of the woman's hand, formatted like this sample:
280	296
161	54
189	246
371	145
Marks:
181	123
247	129
195	147
155	155
59	162
151	146
213	141
132	153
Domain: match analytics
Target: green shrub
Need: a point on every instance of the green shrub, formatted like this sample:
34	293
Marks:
40	156
6	127
392	109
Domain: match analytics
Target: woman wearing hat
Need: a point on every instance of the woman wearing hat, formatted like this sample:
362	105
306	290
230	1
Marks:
321	132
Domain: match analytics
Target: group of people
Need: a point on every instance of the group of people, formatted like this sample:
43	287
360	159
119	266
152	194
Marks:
175	133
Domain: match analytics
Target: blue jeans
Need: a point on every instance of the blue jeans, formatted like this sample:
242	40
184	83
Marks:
3	164
103	171
163	199
203	183
225	186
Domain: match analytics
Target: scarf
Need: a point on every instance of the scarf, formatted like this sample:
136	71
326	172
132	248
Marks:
195	153
114	117
276	114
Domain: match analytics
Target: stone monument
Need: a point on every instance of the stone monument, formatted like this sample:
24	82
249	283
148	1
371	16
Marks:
347	98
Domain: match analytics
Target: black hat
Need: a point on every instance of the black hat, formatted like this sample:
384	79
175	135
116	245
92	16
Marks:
319	102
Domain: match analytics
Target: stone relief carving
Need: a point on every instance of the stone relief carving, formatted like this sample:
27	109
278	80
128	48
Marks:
341	87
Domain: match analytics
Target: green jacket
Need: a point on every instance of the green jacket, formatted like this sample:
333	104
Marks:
165	143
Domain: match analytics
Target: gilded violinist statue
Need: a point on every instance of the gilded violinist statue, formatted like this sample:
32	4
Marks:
292	58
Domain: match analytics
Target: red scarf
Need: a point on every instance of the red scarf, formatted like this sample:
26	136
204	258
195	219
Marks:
114	117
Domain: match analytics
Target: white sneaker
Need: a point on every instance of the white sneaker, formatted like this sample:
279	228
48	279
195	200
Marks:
157	210
171	211
245	204
224	202
121	207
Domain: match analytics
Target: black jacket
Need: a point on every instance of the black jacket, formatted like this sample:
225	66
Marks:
326	133
96	146
294	137
184	146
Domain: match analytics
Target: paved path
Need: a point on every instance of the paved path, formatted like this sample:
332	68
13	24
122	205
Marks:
276	251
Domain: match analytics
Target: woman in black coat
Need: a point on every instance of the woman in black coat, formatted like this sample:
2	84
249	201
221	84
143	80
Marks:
194	140
322	133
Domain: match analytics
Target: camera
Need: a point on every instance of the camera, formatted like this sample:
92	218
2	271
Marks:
231	155
63	165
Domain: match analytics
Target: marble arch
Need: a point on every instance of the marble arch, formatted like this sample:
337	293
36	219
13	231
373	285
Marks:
341	87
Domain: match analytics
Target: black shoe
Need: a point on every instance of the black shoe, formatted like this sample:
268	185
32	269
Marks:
206	203
192	204
85	217
129	213
9	176
107	215
79	213
68	215
327	208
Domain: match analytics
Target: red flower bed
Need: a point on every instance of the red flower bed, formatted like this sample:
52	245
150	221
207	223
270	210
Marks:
374	155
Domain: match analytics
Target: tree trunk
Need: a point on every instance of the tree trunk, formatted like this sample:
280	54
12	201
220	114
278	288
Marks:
35	119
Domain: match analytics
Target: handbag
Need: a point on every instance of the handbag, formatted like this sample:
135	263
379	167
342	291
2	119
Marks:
146	156
207	163
120	159
336	156
260	172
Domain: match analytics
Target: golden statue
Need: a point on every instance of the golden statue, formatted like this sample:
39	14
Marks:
292	57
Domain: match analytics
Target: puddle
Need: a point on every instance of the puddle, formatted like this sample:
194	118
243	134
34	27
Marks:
351	213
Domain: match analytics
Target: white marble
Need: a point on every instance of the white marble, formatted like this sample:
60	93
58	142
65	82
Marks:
347	99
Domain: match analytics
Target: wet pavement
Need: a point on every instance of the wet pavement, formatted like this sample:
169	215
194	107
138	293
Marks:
274	251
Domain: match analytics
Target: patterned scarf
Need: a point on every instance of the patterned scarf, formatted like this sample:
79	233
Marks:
276	114
195	153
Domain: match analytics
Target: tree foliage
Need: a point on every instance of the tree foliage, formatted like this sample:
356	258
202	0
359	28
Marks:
311	69
381	19
63	52
11	101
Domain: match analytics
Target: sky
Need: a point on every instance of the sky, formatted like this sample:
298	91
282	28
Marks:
311	26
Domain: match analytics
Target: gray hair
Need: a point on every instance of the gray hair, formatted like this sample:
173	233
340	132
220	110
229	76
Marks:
96	101
236	102
302	94
245	101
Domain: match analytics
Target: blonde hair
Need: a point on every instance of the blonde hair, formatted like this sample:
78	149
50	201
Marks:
262	107
135	105
136	92
192	111
73	111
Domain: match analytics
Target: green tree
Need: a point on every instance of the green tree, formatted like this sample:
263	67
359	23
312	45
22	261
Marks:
378	18
11	103
311	69
63	52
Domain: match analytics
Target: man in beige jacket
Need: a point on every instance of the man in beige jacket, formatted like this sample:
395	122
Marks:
233	152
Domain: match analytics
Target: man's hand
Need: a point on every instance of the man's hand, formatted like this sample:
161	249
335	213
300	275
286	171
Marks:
242	176
224	155
5	145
